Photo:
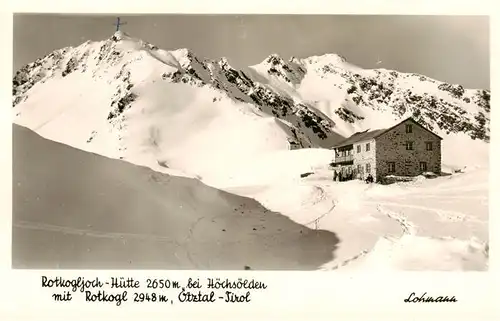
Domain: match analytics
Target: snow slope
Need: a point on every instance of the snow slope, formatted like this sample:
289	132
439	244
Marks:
172	127
256	132
428	224
72	209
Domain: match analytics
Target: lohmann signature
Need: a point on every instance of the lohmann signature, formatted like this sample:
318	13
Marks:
424	298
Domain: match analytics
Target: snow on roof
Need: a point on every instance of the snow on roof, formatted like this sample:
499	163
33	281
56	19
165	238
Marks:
361	136
370	134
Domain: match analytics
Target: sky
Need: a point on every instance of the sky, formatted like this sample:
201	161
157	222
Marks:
453	49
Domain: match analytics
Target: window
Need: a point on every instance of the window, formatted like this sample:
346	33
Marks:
367	147
428	146
423	166
368	167
360	168
359	148
409	145
409	128
391	167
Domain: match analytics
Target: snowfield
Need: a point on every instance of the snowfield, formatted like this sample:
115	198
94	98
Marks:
426	224
180	115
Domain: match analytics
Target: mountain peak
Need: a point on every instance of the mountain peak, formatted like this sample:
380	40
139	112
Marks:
120	35
274	59
224	63
328	58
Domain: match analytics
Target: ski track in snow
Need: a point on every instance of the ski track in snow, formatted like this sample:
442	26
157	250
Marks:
347	261
188	238
407	227
424	195
399	204
442	213
113	235
320	197
317	220
89	232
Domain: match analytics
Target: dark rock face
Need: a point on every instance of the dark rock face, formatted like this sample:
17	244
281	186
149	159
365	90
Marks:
456	91
439	109
71	65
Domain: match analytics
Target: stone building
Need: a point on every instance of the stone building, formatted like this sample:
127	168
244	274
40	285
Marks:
405	149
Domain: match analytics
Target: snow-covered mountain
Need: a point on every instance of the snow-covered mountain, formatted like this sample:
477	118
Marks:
350	95
176	112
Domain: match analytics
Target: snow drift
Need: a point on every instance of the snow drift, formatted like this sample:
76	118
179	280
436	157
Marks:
73	209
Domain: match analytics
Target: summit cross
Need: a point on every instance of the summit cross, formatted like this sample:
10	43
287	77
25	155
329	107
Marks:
118	23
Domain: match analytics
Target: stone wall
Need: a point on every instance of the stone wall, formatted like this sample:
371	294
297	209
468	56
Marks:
391	147
365	157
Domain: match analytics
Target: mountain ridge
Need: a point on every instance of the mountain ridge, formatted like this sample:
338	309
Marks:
315	101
